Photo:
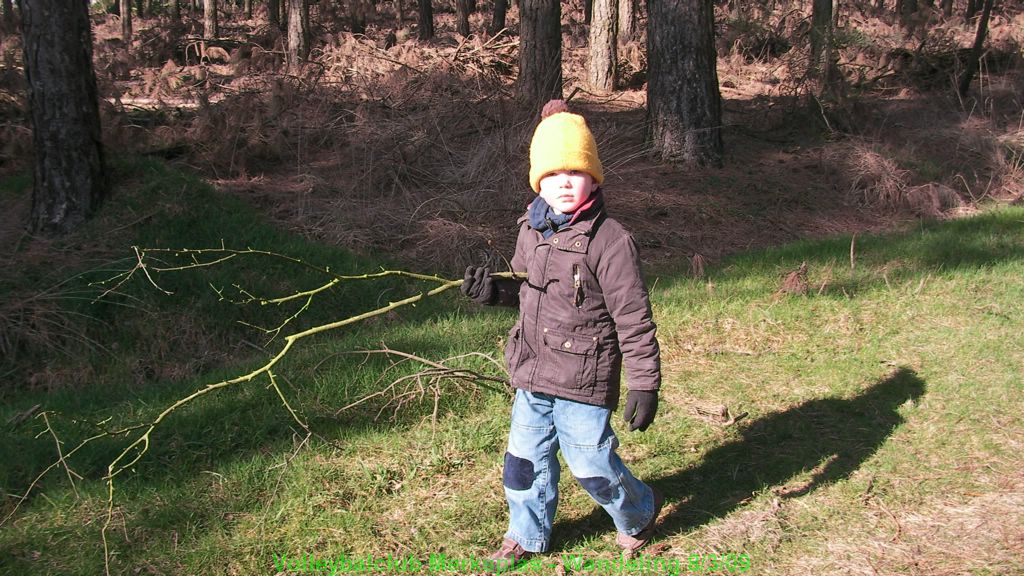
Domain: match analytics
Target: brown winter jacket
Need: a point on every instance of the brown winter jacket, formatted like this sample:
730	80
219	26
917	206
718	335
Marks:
583	312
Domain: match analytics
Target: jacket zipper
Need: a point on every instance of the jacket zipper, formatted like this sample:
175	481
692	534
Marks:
577	284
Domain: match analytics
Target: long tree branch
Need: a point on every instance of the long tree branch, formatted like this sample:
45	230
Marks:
138	447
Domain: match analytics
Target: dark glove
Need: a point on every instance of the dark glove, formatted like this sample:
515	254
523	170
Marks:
478	285
641	406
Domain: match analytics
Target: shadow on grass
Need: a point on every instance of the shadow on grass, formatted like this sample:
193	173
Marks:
830	437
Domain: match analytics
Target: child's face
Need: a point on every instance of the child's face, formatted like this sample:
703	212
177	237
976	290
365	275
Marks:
566	190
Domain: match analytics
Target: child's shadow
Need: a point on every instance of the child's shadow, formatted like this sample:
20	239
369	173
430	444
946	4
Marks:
829	438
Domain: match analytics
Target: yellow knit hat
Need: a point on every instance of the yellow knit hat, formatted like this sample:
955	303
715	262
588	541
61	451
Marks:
562	141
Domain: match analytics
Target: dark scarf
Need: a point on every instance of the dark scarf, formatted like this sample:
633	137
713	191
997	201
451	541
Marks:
545	220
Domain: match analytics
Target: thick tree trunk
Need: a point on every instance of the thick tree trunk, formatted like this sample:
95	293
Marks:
274	13
684	106
498	19
210	19
603	45
947	9
906	10
298	34
627	21
248	8
976	51
972	9
425	20
822	50
8	15
359	10
126	20
462	17
540	51
69	174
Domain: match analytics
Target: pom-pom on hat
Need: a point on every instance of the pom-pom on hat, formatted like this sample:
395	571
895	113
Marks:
562	141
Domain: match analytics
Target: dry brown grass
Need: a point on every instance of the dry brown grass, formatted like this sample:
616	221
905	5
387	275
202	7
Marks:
869	176
955	535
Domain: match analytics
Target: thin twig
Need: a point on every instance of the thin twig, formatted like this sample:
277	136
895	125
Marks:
60	455
853	243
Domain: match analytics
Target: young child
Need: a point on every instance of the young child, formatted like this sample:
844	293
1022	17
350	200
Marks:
583	313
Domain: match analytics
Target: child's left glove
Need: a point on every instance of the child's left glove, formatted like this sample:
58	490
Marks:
478	285
641	406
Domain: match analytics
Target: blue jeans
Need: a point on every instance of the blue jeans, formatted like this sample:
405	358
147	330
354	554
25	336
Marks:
541	424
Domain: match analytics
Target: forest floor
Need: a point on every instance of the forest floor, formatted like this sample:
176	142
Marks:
407	148
867	424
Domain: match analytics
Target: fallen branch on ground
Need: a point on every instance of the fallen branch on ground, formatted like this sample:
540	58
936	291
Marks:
202	258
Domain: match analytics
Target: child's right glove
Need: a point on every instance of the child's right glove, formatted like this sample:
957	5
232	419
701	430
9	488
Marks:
641	406
478	285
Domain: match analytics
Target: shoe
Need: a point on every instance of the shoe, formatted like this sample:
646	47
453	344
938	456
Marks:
510	552
637	541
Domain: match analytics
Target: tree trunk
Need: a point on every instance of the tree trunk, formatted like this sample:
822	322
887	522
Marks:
603	43
358	11
462	17
947	9
398	13
8	15
498	19
298	34
69	176
210	19
627	21
425	21
972	9
540	51
976	53
126	20
821	39
274	14
906	9
684	106
248	9
176	9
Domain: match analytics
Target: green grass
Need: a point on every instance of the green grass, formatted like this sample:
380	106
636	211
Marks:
883	415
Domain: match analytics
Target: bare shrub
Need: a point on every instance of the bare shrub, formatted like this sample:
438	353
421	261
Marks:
932	200
1011	159
869	176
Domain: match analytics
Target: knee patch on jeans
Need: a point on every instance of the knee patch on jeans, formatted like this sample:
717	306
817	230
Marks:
518	473
600	488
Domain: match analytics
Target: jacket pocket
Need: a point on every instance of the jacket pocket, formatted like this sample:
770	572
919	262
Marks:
569	360
512	348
